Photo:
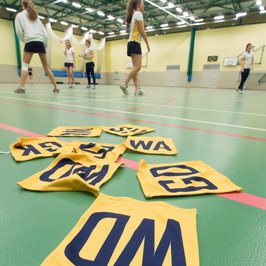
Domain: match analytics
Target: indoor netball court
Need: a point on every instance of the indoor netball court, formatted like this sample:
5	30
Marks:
176	176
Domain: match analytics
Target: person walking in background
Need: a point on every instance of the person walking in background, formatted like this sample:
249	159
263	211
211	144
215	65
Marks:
69	63
30	75
246	63
31	31
88	55
135	23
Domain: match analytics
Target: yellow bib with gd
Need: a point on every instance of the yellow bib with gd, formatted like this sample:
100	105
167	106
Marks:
124	231
71	131
151	145
71	172
182	178
99	152
30	148
127	130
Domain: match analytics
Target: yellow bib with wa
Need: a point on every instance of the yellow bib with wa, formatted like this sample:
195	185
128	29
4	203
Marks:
75	131
151	145
99	152
127	130
124	231
30	148
71	172
182	178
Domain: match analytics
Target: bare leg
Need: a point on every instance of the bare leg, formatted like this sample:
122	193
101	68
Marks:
46	68
68	75
71	75
24	73
136	60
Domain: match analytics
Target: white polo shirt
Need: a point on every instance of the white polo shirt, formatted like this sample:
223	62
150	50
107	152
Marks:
248	58
69	55
134	34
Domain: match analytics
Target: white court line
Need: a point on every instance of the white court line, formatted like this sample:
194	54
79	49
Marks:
150	104
141	114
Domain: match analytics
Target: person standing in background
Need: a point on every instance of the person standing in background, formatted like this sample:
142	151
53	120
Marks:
69	63
135	24
88	55
31	31
246	63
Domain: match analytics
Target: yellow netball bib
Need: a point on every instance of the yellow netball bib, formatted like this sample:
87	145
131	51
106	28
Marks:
127	130
182	178
124	231
99	151
71	172
30	148
151	145
73	131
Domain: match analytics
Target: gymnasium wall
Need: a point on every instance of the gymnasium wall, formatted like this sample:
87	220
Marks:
167	62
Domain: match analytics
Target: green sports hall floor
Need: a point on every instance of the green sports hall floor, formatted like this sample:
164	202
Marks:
220	127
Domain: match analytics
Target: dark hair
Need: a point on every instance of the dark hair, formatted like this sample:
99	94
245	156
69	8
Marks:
131	5
29	6
68	41
247	46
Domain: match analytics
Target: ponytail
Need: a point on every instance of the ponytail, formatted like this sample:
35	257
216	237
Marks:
29	6
131	6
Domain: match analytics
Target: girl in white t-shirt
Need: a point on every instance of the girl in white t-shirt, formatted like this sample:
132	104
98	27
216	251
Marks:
246	62
135	23
69	63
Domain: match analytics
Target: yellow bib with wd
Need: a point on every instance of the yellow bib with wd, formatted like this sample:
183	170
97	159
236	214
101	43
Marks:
127	130
182	178
125	231
71	172
151	145
31	148
88	131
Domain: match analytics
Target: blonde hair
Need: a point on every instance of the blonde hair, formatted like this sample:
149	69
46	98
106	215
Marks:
29	6
131	6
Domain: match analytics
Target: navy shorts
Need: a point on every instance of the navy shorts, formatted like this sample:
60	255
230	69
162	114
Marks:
69	64
34	47
133	48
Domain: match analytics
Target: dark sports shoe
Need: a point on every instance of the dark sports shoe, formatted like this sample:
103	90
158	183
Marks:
124	89
139	92
19	90
55	90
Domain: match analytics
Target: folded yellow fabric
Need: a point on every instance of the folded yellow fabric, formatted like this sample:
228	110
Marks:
99	152
151	145
71	172
182	178
75	131
127	130
124	231
30	148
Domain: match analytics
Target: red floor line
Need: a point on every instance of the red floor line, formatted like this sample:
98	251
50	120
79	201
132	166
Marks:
241	197
104	114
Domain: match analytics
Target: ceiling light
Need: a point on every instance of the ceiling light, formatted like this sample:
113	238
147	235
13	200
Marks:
74	26
169	5
150	30
123	31
120	20
110	17
219	17
111	33
100	13
182	26
11	9
164	25
241	14
41	17
263	12
149	27
180	23
64	23
199	20
111	36
258	2
192	18
179	9
219	21
84	28
77	5
52	20
59	1
261	8
89	9
185	13
100	32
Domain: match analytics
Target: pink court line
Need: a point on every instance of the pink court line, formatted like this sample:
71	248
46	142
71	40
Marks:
107	115
241	197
